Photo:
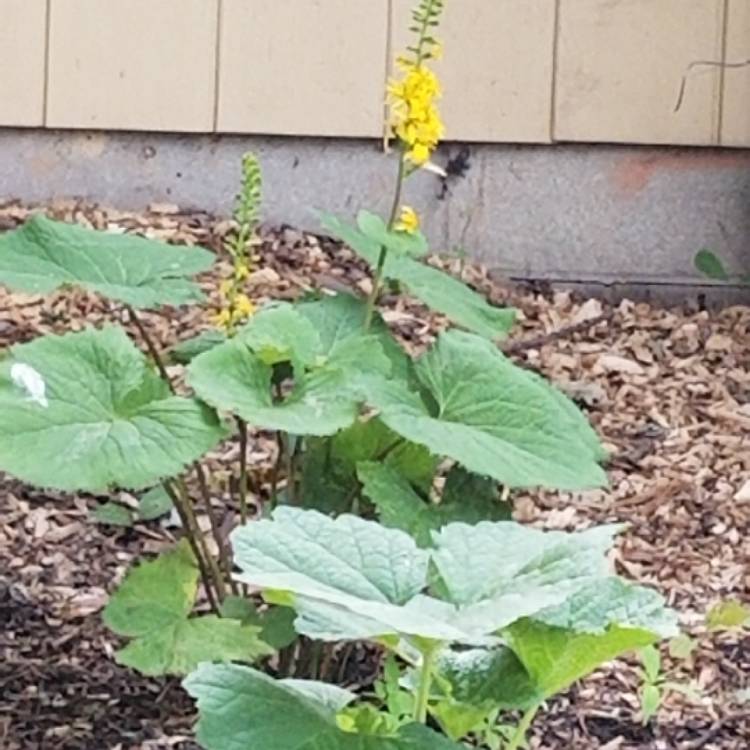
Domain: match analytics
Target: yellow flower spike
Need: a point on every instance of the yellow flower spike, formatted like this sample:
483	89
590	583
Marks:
223	319
244	306
226	287
408	221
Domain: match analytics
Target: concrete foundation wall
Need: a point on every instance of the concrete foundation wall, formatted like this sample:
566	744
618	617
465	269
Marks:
602	214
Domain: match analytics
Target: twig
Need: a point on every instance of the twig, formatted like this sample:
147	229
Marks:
561	333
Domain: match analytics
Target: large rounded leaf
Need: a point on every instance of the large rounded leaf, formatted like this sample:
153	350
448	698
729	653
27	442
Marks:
493	417
44	255
243	709
85	411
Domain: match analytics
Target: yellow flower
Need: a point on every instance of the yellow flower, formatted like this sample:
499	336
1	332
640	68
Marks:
243	306
414	116
408	221
223	319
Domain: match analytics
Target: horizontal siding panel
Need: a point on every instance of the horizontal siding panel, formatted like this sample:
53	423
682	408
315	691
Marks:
620	65
136	65
303	68
23	27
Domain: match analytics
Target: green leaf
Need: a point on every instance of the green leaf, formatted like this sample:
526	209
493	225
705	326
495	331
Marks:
354	579
402	243
329	467
650	702
436	289
651	660
241	708
682	647
280	333
103	417
728	615
186	351
233	379
154	504
458	720
556	658
350	578
400	507
113	514
341	317
494	418
152	606
488	678
500	572
45	255
710	266
601	622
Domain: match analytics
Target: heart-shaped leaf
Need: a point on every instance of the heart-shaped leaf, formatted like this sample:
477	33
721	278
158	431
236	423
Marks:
44	255
95	415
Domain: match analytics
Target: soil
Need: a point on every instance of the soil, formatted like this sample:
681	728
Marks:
668	391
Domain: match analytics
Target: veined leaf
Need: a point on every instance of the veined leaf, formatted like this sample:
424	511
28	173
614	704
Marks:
44	255
436	289
280	333
233	379
329	467
242	708
339	318
400	507
728	615
104	418
353	579
492	417
601	622
499	572
494	678
153	605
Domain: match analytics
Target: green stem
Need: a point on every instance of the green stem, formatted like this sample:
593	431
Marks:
378	280
523	727
426	673
152	350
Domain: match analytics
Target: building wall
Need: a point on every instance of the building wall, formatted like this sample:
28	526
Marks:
515	71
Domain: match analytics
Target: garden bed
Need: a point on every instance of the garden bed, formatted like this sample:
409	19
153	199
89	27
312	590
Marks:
668	391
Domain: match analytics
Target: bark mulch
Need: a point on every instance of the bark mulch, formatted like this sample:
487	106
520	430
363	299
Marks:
668	391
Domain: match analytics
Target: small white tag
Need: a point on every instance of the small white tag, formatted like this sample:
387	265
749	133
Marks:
26	377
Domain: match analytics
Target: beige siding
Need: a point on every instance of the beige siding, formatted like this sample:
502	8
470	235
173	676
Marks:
514	70
135	64
498	86
22	51
735	129
315	67
620	65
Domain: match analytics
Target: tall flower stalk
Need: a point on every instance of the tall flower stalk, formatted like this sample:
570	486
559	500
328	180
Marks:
414	119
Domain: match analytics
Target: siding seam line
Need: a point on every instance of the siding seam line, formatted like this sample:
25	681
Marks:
553	92
719	139
217	63
47	42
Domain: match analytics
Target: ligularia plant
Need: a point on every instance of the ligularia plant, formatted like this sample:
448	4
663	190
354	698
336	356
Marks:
385	519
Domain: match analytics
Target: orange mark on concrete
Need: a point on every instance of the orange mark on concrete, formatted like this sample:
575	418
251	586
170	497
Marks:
633	173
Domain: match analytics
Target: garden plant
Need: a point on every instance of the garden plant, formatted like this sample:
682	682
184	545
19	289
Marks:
386	522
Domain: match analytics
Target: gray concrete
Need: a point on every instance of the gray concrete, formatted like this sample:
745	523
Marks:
601	214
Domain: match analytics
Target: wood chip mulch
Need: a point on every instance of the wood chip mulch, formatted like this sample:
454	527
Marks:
668	391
